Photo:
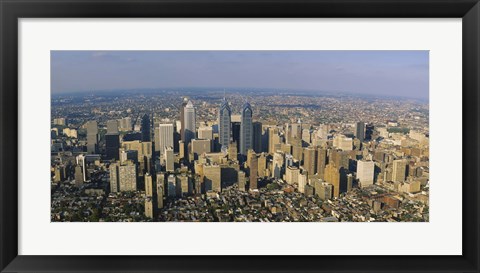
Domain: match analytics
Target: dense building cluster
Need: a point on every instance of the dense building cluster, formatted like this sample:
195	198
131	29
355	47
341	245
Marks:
248	156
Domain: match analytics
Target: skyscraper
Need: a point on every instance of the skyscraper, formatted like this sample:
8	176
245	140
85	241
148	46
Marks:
160	189
112	144
114	181
399	170
224	123
309	160
257	137
112	126
189	122
182	119
253	170
321	162
92	137
360	131
145	128
365	172
169	158
246	129
165	138
148	185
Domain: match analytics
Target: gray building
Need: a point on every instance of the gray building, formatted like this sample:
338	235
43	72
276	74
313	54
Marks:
246	129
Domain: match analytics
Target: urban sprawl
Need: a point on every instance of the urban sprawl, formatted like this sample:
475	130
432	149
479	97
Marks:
209	156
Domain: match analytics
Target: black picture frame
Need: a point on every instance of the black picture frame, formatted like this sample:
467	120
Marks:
11	11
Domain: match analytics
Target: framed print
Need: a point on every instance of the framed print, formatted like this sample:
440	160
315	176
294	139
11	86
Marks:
239	136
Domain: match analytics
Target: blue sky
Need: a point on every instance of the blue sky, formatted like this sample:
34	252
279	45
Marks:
398	73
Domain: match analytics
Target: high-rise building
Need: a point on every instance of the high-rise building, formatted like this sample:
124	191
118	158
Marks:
291	174
246	129
146	128
273	138
321	162
257	136
309	160
337	177
171	186
323	190
253	170
343	143
224	123
399	170
365	172
302	182
114	180
206	132
232	151
369	128
78	176
127	175
160	183
165	137
190	122
360	131
92	137
149	207
212	177
262	165
277	165
241	180
169	159
112	126
112	144
125	124
236	133
148	185
182	119
200	146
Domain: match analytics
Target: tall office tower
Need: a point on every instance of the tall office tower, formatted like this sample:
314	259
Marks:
322	131
309	160
236	133
125	124
232	151
291	174
169	159
189	123
112	126
302	182
200	146
337	177
323	190
342	142
241	180
399	170
360	131
146	128
127	175
224	123
112	144
165	136
273	139
365	172
171	186
286	148
92	137
369	131
78	176
340	159
182	185
277	165
206	132
182	119
114	178
307	136
212	178
257	136
262	165
288	160
246	129
253	170
149	207
321	162
297	151
160	183
148	185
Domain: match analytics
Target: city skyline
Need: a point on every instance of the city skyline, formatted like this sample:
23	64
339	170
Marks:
378	73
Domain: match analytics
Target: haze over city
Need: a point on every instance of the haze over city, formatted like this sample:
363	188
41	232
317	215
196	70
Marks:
382	73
